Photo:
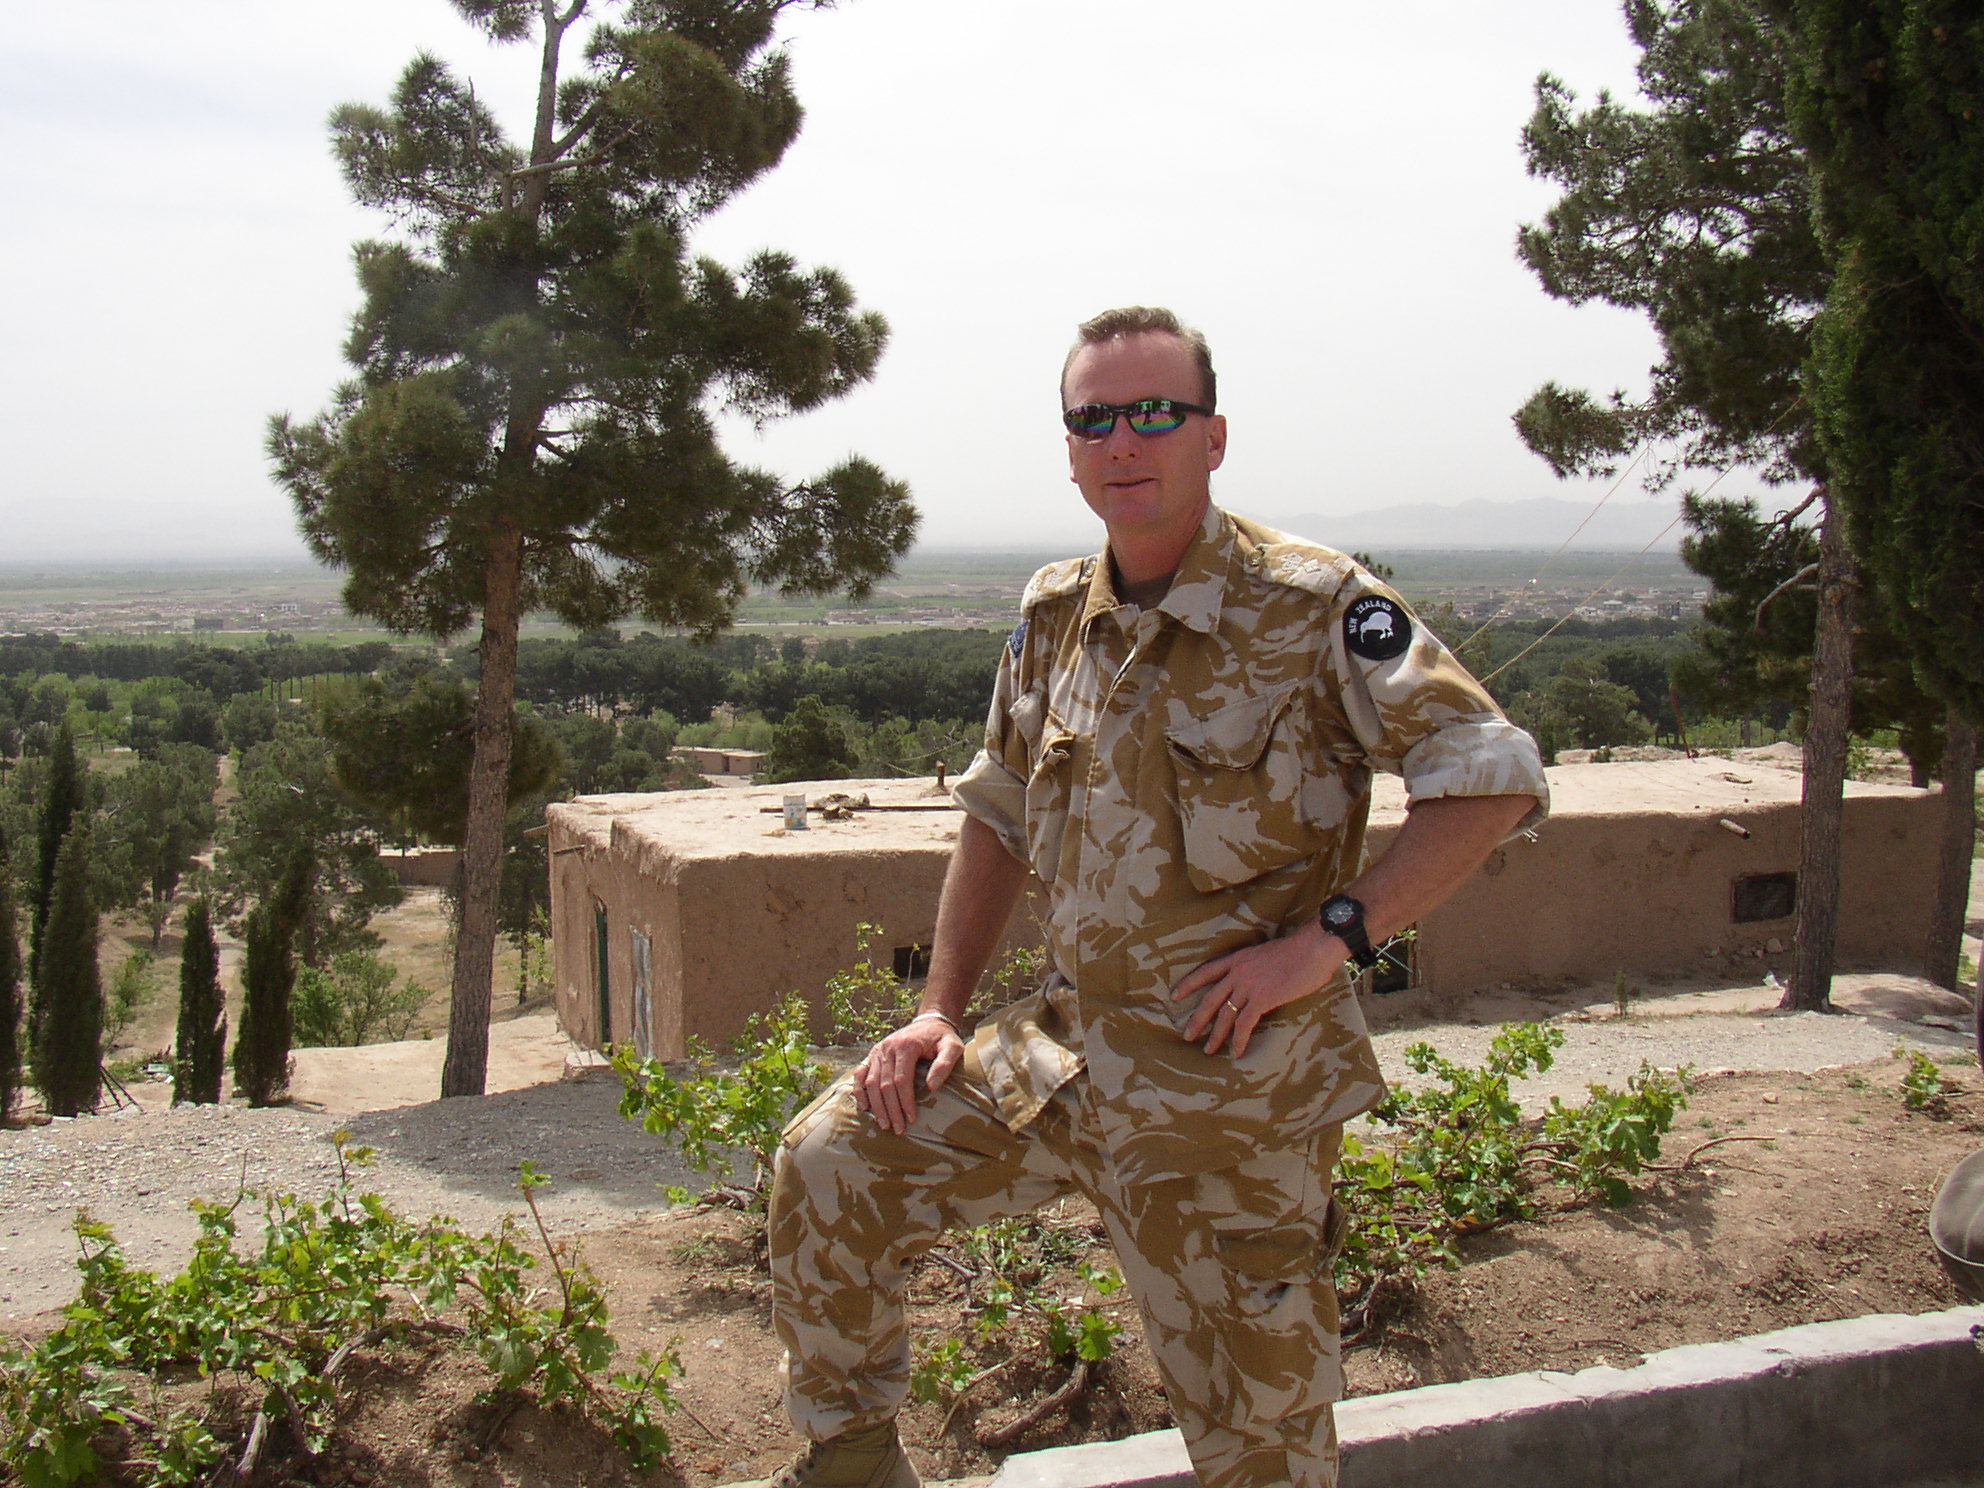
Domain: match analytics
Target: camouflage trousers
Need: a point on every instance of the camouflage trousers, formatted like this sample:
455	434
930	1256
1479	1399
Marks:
1230	1270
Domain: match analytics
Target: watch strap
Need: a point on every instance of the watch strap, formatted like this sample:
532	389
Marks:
1349	929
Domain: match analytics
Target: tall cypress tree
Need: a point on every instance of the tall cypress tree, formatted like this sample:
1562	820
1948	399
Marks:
10	988
67	1032
261	1044
268	975
61	804
196	1061
1888	103
537	359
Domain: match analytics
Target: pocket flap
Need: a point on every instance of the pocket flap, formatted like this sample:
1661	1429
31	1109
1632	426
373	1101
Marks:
1026	714
1054	750
1233	738
1288	1252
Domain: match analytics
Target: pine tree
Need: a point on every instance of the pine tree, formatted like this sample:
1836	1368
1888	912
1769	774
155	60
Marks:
196	1062
1697	208
809	745
67	1032
10	988
268	975
404	749
62	802
537	358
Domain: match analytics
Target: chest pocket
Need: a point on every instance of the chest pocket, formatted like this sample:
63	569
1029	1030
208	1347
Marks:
1239	776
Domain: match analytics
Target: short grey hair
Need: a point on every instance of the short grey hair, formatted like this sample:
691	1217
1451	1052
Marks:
1145	320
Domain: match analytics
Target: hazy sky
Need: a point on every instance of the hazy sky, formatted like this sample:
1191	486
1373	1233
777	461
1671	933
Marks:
1330	190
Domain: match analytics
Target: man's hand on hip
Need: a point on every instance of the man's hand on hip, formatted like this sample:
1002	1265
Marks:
885	1082
1244	986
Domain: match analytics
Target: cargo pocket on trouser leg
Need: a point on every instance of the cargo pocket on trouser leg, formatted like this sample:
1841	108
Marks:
1278	1343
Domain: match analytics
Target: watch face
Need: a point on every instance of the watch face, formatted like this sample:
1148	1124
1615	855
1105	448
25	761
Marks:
1341	913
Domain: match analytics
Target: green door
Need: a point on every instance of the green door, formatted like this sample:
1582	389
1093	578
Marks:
601	960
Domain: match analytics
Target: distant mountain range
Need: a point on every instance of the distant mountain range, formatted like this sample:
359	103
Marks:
1543	522
1622	526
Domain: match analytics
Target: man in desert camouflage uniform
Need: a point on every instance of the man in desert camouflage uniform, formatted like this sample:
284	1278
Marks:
1180	747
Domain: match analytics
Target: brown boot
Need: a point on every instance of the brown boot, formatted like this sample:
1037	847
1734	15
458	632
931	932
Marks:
871	1457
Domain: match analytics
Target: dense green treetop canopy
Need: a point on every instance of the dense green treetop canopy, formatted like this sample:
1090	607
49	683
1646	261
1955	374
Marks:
403	749
537	348
1889	103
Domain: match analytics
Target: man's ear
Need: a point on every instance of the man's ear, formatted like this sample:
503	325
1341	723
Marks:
1215	440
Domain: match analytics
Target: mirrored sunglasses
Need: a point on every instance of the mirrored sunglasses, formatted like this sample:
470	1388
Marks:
1093	421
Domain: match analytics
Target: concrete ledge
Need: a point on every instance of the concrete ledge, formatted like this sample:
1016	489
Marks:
586	1064
1876	1402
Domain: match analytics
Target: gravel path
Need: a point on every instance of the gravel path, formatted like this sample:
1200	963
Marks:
138	1169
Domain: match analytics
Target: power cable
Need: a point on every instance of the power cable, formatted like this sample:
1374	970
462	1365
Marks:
1607	584
1638	455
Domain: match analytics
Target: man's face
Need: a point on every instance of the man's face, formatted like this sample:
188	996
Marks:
1149	487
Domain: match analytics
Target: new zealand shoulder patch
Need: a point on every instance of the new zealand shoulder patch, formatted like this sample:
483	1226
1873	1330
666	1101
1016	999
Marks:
1377	628
1016	642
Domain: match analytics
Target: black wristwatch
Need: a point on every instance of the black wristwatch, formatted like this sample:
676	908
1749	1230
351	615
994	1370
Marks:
1343	917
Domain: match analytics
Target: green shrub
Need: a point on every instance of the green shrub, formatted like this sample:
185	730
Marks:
867	1001
714	1117
131	987
353	1001
1461	1157
1017	1303
1924	1087
332	1279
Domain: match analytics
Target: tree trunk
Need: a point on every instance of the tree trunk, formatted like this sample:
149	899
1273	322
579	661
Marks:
466	1069
1954	853
1826	729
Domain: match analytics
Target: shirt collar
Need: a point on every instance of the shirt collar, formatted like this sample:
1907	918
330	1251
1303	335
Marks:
1198	589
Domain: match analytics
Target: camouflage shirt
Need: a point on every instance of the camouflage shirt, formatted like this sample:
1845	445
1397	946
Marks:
1192	778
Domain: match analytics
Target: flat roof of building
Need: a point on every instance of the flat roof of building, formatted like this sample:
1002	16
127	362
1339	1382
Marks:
912	814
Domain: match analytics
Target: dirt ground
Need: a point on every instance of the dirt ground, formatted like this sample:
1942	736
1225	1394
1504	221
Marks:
1782	1198
1793	1196
1811	1205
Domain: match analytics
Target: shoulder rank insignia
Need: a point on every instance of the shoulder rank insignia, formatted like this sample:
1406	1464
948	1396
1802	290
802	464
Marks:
1377	628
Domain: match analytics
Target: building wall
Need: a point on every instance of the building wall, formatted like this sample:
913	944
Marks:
432	867
1594	892
1651	892
733	938
582	883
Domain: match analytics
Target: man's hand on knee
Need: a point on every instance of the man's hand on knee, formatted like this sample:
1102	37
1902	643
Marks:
885	1082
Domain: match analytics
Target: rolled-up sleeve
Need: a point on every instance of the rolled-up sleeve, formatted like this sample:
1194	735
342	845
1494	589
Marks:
997	797
1478	757
1421	715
